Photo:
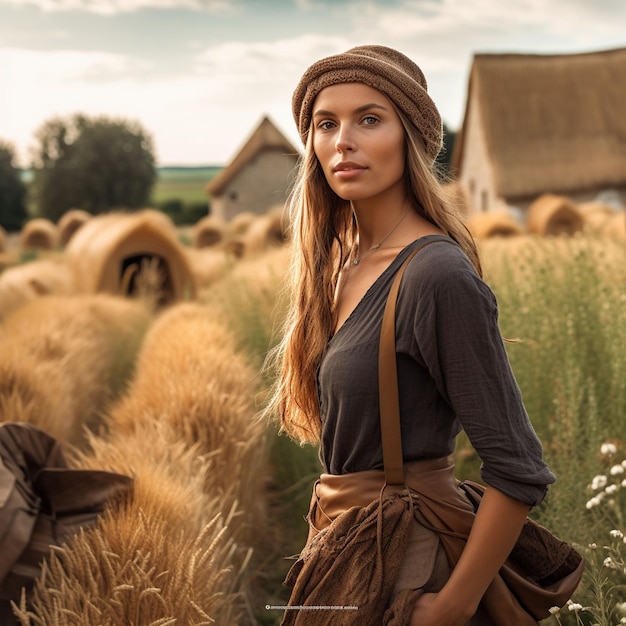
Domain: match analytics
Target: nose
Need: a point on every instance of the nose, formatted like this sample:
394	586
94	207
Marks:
344	139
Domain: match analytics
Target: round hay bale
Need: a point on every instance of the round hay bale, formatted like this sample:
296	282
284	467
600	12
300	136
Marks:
240	223
235	247
70	222
209	232
208	265
39	234
264	232
136	254
23	283
596	215
494	224
551	215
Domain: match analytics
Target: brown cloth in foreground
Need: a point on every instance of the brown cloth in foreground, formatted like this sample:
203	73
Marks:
42	503
320	579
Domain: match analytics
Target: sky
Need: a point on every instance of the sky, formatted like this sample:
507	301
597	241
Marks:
199	75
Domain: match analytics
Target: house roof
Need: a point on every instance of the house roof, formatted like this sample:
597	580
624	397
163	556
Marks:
552	122
265	137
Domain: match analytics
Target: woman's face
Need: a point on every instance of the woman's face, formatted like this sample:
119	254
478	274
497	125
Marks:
358	139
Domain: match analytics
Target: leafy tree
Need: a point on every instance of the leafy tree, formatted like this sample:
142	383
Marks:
12	191
94	164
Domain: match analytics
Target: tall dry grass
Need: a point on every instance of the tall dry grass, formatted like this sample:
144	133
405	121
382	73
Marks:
64	359
178	551
164	556
191	376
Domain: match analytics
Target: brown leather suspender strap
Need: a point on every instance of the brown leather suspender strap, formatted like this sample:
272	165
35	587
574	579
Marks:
389	400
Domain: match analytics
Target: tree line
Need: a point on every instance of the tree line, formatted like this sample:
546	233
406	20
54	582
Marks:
94	164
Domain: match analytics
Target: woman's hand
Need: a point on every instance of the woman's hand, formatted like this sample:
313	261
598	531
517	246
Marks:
427	610
495	530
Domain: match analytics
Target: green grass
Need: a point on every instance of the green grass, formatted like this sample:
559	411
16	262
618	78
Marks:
186	184
565	299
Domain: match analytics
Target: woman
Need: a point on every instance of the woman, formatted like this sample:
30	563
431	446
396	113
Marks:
366	195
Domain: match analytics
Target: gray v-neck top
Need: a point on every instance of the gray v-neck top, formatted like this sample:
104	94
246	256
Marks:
453	375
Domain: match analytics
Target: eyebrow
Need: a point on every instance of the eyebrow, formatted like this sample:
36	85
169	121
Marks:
361	109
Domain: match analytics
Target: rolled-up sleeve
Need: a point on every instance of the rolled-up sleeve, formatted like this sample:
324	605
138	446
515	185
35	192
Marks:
456	328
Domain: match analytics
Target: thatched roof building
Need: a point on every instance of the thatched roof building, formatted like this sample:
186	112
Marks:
258	178
537	124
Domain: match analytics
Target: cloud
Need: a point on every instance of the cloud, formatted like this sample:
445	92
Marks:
239	69
454	22
214	95
42	85
113	7
201	116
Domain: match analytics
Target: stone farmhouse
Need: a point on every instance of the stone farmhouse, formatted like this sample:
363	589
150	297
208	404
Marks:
543	124
258	177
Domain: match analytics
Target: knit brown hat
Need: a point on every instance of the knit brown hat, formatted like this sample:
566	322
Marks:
385	69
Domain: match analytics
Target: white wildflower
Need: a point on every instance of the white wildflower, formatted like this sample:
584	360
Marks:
617	534
608	448
621	607
599	482
616	469
624	483
611	489
595	501
609	562
574	606
594	546
555	610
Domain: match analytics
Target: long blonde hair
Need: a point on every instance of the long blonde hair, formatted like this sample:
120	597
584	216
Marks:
323	234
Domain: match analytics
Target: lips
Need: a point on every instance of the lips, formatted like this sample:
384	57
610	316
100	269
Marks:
347	166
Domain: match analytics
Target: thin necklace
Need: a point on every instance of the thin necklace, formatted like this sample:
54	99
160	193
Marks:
358	259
